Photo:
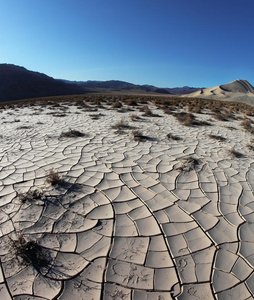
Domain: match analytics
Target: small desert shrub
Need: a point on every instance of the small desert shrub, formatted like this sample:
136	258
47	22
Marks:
217	137
168	110
30	196
220	116
134	117
147	111
117	104
59	115
247	125
230	127
122	124
131	103
197	108
194	108
53	178
231	110
235	153
138	136
24	127
170	136
189	164
189	120
72	133
186	119
249	112
31	253
96	116
250	147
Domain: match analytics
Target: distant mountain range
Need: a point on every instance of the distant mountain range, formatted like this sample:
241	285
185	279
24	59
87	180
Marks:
19	83
118	86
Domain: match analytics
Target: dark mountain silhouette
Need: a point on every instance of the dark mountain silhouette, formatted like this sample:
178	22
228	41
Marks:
19	83
182	90
117	85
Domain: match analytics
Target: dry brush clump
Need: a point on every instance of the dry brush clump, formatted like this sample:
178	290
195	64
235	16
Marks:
147	111
247	125
168	110
31	196
138	136
53	178
31	253
131	102
220	116
217	137
72	133
121	125
188	119
116	104
235	153
250	147
24	127
170	136
189	164
96	116
194	107
134	117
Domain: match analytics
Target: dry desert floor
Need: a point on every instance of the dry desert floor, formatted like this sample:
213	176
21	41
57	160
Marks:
126	201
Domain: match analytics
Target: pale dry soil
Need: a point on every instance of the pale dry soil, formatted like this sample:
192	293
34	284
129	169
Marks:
130	219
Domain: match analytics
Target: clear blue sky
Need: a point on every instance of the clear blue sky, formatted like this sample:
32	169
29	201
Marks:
167	43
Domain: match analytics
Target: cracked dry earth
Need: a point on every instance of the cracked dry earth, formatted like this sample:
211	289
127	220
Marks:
129	219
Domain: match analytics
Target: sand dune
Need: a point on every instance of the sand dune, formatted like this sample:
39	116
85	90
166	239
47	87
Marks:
158	217
239	90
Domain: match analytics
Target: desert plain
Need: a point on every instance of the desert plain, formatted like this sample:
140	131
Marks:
126	198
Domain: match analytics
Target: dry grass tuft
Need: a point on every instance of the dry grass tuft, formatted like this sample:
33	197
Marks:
117	104
122	124
235	153
131	102
217	137
31	253
188	119
220	116
250	147
134	117
247	125
30	196
53	178
170	136
72	133
138	136
189	164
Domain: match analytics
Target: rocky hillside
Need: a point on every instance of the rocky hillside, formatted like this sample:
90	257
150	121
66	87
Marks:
19	83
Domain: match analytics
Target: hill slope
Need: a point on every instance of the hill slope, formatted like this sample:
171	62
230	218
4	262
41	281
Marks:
19	83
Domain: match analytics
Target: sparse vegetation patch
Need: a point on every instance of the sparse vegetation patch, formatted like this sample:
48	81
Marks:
31	253
170	136
235	153
138	136
54	178
189	164
122	124
30	196
217	137
72	133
